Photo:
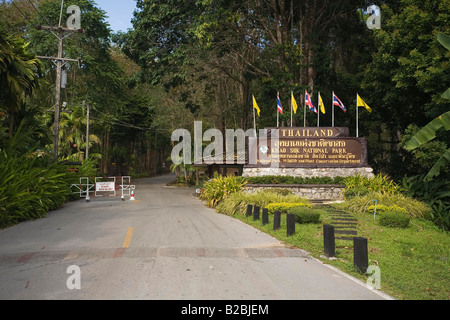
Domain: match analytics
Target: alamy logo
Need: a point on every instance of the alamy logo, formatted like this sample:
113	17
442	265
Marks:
374	279
74	281
374	20
230	149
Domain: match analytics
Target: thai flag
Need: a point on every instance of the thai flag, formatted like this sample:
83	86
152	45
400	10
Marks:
337	102
309	102
279	106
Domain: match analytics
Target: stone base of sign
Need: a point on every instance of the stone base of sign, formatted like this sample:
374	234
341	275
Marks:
308	172
312	192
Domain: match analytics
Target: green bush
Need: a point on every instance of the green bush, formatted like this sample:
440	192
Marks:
359	186
284	207
236	204
395	219
414	208
382	208
29	188
435	193
219	188
305	215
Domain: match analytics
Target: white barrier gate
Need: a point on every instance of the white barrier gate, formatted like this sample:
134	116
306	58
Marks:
104	187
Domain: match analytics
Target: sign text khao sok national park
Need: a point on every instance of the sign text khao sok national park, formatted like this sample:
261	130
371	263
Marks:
310	147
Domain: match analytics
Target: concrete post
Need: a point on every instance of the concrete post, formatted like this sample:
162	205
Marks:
329	245
249	211
256	212
360	254
276	220
290	224
265	216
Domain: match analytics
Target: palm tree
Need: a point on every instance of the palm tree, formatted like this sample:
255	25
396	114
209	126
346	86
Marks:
73	135
19	73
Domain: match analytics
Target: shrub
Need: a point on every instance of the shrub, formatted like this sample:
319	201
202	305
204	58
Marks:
29	188
219	188
305	215
395	219
382	208
435	193
414	208
284	207
237	203
359	186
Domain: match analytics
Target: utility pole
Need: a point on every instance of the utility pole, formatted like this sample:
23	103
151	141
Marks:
59	32
87	131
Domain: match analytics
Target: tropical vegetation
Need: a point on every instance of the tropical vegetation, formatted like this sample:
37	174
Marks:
220	188
203	61
186	61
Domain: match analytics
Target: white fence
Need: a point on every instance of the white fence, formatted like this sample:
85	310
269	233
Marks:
104	187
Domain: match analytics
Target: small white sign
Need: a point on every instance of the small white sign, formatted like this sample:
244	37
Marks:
104	186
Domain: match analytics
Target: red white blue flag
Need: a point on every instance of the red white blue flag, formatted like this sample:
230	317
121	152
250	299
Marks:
279	105
309	102
337	102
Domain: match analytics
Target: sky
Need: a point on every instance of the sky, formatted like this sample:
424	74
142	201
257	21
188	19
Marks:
119	12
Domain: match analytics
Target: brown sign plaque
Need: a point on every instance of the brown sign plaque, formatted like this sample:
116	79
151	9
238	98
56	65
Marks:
313	147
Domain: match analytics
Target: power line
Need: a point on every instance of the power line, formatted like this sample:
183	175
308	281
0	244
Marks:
126	125
35	9
23	14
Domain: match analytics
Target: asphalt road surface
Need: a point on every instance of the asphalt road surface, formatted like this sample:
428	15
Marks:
166	245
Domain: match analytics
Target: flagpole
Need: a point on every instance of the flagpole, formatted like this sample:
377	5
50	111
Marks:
332	104
254	118
357	117
278	112
304	101
318	110
292	110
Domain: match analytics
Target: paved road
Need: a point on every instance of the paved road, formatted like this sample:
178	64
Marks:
164	246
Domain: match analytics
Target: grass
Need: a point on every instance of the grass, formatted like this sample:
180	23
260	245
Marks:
414	262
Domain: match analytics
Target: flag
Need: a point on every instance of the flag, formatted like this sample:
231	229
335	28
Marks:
309	103
321	105
255	106
338	103
294	104
279	106
361	103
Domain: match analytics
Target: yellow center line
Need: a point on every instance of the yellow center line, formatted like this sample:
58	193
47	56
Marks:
127	241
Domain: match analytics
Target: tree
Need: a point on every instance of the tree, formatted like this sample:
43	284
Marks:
429	132
239	48
404	81
98	79
409	71
73	135
16	15
19	73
